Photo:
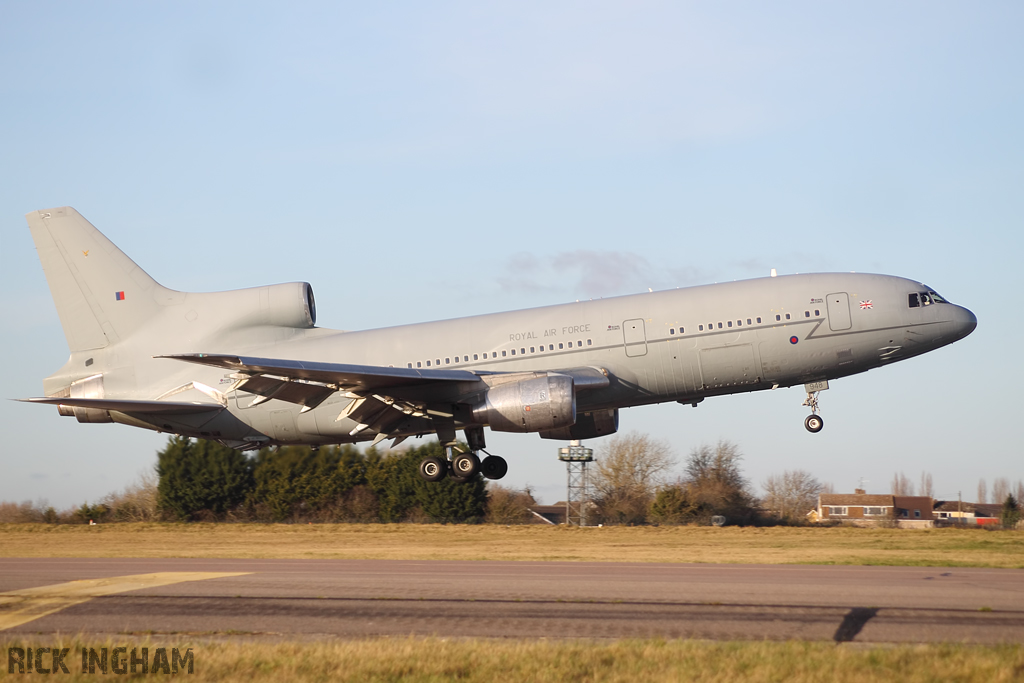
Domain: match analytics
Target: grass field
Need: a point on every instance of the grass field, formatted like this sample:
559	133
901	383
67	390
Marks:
627	661
774	545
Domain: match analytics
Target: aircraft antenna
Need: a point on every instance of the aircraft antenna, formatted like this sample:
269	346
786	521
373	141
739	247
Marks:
774	273
577	496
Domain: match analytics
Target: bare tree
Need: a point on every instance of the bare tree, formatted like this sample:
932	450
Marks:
1000	489
630	468
901	485
982	491
791	494
1019	495
828	487
508	506
715	484
927	489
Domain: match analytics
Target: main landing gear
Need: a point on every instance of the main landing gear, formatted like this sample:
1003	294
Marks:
814	422
462	467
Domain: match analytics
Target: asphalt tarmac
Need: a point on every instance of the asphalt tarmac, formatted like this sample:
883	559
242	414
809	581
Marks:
365	598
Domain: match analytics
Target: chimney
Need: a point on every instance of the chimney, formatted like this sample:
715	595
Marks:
859	491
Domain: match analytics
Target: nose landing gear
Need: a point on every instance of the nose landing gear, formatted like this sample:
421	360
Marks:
814	422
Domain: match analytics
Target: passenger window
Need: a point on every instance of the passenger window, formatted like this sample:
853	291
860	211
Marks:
739	323
719	325
807	314
729	324
816	312
787	316
477	357
570	345
437	361
700	328
560	345
778	317
428	363
915	300
591	343
579	343
671	330
513	352
758	321
522	352
533	349
504	352
410	365
551	347
419	364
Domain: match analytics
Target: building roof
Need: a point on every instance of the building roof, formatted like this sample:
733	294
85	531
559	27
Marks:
979	509
856	499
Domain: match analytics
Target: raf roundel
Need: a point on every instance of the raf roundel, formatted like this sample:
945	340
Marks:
794	339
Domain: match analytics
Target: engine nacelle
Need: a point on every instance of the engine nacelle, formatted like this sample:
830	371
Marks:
588	426
529	405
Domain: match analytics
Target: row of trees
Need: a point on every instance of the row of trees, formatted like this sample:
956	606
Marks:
632	485
202	480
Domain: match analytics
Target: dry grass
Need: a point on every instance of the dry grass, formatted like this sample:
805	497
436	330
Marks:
432	659
777	545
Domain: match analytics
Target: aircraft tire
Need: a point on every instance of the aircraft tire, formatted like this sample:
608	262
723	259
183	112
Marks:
494	467
814	423
465	465
433	469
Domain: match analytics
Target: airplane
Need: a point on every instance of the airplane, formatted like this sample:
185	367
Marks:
249	368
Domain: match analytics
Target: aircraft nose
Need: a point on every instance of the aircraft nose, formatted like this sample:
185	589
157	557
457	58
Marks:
964	322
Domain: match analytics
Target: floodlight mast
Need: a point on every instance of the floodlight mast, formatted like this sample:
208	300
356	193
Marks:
577	497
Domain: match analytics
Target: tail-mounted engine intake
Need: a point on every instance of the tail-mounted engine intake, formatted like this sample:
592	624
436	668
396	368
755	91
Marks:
528	405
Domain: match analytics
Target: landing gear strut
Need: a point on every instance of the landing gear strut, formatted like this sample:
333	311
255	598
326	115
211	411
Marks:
814	422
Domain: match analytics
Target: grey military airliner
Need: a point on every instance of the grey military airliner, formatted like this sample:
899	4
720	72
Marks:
249	368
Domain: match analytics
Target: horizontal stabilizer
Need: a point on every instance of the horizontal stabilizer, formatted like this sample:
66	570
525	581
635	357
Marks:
130	406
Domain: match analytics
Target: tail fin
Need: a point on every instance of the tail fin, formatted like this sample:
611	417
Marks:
101	295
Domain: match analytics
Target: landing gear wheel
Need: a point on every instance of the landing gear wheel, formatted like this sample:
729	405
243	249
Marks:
814	423
494	467
465	465
433	469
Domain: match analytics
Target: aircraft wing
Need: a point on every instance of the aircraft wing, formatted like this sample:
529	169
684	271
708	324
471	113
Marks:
384	397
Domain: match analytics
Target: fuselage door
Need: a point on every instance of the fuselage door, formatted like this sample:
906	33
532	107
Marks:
839	311
634	337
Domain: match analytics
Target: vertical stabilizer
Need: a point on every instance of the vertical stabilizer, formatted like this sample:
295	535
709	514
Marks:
101	295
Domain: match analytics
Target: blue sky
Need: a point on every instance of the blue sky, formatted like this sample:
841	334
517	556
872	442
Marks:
416	161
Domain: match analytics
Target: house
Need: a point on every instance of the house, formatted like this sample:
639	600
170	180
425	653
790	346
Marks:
861	508
962	512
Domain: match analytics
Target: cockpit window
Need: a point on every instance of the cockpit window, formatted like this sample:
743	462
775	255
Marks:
918	299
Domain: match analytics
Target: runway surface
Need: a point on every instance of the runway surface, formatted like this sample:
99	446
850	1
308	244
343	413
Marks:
359	598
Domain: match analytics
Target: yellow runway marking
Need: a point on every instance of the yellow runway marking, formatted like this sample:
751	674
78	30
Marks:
22	606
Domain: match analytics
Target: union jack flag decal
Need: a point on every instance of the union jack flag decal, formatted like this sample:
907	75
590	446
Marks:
866	304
